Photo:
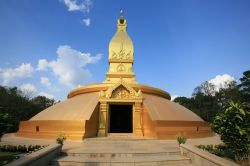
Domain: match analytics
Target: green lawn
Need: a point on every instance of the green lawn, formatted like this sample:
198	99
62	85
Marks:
6	157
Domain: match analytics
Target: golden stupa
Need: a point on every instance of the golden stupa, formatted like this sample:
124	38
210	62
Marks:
119	105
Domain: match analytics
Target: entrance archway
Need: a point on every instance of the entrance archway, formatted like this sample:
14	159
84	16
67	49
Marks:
120	118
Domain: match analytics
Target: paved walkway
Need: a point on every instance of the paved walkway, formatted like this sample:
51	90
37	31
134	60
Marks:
114	144
105	141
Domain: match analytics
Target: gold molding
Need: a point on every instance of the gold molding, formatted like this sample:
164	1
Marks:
119	61
96	88
120	91
120	74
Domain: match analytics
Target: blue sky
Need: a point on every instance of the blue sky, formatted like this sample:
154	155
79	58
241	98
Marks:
50	46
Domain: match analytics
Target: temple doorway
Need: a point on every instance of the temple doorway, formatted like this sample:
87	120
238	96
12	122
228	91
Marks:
120	118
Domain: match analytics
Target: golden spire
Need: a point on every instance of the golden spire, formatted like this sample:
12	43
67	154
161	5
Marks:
121	54
121	23
121	13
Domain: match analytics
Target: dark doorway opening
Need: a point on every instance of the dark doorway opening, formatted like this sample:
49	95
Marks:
120	119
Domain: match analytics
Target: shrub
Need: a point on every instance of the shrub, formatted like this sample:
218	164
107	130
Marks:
20	148
209	147
243	160
31	148
233	127
201	147
61	138
220	150
181	139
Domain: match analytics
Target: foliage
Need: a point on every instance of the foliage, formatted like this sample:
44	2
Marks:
243	160
207	102
208	106
205	106
219	150
8	152
4	123
181	139
222	150
231	93
21	148
42	102
244	86
61	138
205	88
19	107
7	157
233	125
230	120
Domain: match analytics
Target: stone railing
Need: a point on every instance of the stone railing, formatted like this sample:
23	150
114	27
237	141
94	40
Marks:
39	158
204	158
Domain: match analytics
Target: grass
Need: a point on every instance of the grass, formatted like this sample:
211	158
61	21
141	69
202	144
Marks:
7	157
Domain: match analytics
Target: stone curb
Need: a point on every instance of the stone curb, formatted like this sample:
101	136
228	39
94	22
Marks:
40	157
201	157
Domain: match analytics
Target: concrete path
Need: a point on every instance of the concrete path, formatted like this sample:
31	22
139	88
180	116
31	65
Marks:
12	139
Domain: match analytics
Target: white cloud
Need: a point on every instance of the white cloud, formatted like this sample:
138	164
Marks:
45	81
28	88
22	71
48	95
69	65
42	64
78	5
221	81
173	97
86	22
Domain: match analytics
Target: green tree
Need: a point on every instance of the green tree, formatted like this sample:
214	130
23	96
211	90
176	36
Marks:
230	93
207	102
42	102
19	106
233	125
244	86
205	88
4	123
187	102
207	106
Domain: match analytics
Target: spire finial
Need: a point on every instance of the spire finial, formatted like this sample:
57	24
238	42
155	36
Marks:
121	13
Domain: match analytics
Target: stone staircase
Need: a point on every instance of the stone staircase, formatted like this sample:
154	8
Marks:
121	159
100	152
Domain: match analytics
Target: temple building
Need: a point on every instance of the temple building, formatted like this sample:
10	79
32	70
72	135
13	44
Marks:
119	105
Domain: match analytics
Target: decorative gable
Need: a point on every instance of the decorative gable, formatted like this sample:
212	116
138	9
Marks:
121	90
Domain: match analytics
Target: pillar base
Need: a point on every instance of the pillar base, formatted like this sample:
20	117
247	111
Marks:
138	132
101	133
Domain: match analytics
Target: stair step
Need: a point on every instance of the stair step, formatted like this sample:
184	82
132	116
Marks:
136	160
108	155
117	138
120	164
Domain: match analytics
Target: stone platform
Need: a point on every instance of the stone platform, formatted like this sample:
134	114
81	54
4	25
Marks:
119	150
116	150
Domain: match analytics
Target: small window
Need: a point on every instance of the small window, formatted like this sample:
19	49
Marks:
37	128
197	128
121	21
